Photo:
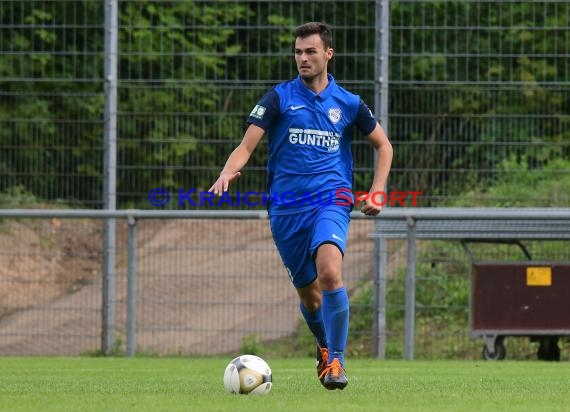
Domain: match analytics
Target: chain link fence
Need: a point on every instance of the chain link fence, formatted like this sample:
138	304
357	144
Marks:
477	90
200	289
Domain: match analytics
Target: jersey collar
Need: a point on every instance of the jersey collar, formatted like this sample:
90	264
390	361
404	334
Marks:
311	94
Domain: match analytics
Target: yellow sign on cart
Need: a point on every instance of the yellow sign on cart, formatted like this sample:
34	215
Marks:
538	276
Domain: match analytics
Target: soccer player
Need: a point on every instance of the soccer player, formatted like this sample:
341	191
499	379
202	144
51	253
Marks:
308	121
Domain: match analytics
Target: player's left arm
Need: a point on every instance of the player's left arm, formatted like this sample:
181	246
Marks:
369	126
384	154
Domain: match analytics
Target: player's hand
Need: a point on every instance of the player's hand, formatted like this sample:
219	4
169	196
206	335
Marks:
369	208
221	185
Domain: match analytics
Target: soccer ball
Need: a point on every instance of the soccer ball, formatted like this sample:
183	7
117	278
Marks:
248	374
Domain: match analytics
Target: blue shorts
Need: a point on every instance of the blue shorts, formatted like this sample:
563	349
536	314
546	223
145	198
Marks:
298	236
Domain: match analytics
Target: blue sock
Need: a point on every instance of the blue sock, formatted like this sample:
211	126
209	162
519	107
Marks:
335	313
316	325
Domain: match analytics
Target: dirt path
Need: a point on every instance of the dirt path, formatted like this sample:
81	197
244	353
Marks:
203	286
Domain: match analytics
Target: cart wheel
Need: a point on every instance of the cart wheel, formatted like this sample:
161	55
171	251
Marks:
499	354
548	349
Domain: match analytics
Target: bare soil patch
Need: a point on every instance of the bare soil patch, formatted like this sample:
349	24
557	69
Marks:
202	285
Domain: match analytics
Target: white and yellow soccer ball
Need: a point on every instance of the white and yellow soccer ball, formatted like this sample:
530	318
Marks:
248	374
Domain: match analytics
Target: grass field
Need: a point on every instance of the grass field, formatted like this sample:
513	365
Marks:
195	384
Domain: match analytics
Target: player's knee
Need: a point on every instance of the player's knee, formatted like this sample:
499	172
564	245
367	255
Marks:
329	277
313	303
328	269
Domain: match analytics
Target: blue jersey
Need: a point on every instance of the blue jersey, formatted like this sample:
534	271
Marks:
309	134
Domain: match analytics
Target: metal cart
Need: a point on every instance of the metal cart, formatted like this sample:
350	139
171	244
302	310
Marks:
523	298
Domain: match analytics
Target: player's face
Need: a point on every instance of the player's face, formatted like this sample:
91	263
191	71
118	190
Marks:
311	57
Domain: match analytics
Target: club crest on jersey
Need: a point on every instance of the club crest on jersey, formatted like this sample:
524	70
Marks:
258	112
335	114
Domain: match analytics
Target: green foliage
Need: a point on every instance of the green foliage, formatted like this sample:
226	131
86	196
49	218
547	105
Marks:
180	113
463	129
251	344
170	90
522	184
50	150
17	197
361	303
485	28
441	302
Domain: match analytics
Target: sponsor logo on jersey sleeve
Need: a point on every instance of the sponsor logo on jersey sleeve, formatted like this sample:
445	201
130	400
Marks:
335	236
258	112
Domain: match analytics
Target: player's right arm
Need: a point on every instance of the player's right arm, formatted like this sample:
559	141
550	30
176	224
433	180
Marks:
238	159
262	117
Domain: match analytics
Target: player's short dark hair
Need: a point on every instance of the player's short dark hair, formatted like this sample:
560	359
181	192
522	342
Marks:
315	27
